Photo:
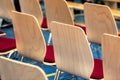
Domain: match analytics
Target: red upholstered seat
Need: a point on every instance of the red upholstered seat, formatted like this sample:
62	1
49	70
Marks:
98	69
1	32
44	23
81	26
49	54
7	44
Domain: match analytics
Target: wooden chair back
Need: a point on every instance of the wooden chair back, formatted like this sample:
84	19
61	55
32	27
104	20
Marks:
14	70
98	20
58	11
29	38
111	53
72	50
32	7
6	6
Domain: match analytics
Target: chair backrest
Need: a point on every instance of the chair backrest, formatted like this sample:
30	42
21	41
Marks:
72	50
6	6
32	7
111	56
14	70
98	20
29	38
58	11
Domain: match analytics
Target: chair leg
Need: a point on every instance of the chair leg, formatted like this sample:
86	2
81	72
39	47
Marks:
58	72
22	59
9	55
74	77
16	55
1	20
5	22
50	38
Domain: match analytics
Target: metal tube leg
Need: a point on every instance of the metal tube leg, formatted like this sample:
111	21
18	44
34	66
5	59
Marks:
74	77
50	38
9	55
58	72
1	20
22	59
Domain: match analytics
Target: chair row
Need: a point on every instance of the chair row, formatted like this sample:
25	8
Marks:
59	11
30	42
96	25
72	55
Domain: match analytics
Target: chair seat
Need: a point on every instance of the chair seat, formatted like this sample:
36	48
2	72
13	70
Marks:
81	26
98	69
118	34
44	23
49	54
1	32
7	44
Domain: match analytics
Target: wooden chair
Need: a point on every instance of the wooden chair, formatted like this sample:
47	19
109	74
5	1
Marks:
73	53
59	11
6	6
14	70
111	53
33	7
29	38
98	20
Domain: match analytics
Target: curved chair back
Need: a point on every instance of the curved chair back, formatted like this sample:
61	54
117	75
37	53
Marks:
32	7
29	38
72	50
98	20
14	70
58	11
6	6
111	56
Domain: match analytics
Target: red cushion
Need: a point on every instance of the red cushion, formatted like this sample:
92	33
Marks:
7	44
44	23
98	69
81	26
49	54
1	32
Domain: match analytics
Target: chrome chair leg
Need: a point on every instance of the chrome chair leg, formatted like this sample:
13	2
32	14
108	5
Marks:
73	77
16	55
58	72
50	38
1	22
22	59
9	55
